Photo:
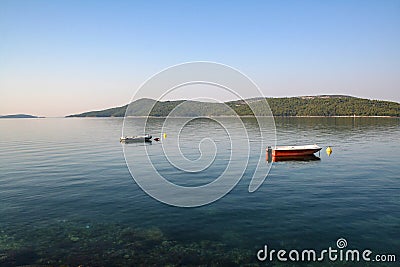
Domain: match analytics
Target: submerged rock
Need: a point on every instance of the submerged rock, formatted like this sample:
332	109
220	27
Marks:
19	257
73	244
153	233
74	238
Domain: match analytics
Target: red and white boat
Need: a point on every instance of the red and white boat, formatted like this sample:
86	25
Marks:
292	151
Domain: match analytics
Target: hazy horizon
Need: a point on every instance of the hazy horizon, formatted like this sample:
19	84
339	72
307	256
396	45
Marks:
66	57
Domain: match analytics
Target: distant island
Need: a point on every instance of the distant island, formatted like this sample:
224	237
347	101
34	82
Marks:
18	116
321	105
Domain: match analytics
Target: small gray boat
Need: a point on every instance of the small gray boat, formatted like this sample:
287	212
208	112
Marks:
138	138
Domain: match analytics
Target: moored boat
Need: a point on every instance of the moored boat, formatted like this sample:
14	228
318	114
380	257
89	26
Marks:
280	153
138	138
294	151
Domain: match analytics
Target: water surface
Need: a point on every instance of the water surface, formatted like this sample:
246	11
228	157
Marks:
67	197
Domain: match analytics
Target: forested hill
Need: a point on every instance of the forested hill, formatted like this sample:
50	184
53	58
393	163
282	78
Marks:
18	116
332	106
325	105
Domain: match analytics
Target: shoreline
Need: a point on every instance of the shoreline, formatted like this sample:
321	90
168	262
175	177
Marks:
163	117
246	116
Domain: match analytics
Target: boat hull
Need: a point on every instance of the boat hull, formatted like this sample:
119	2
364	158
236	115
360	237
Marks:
133	139
291	152
294	153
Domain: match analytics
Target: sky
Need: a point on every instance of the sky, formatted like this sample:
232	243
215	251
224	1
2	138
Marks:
66	57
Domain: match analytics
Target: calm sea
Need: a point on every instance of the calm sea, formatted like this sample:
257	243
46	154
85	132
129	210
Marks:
67	196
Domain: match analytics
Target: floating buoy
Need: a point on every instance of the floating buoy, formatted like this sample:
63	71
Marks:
329	150
165	136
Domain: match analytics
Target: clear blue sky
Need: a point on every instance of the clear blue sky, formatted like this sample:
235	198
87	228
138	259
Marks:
63	57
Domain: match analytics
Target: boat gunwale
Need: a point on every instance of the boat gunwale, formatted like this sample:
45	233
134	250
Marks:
295	148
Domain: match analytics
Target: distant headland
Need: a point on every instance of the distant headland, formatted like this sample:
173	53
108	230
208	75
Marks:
301	106
18	116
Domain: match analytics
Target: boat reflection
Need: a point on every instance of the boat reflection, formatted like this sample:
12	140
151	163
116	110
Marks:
294	158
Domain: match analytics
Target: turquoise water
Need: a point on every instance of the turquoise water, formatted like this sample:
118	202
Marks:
67	197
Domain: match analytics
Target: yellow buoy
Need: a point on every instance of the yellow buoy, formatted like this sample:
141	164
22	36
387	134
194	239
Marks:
329	150
165	136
